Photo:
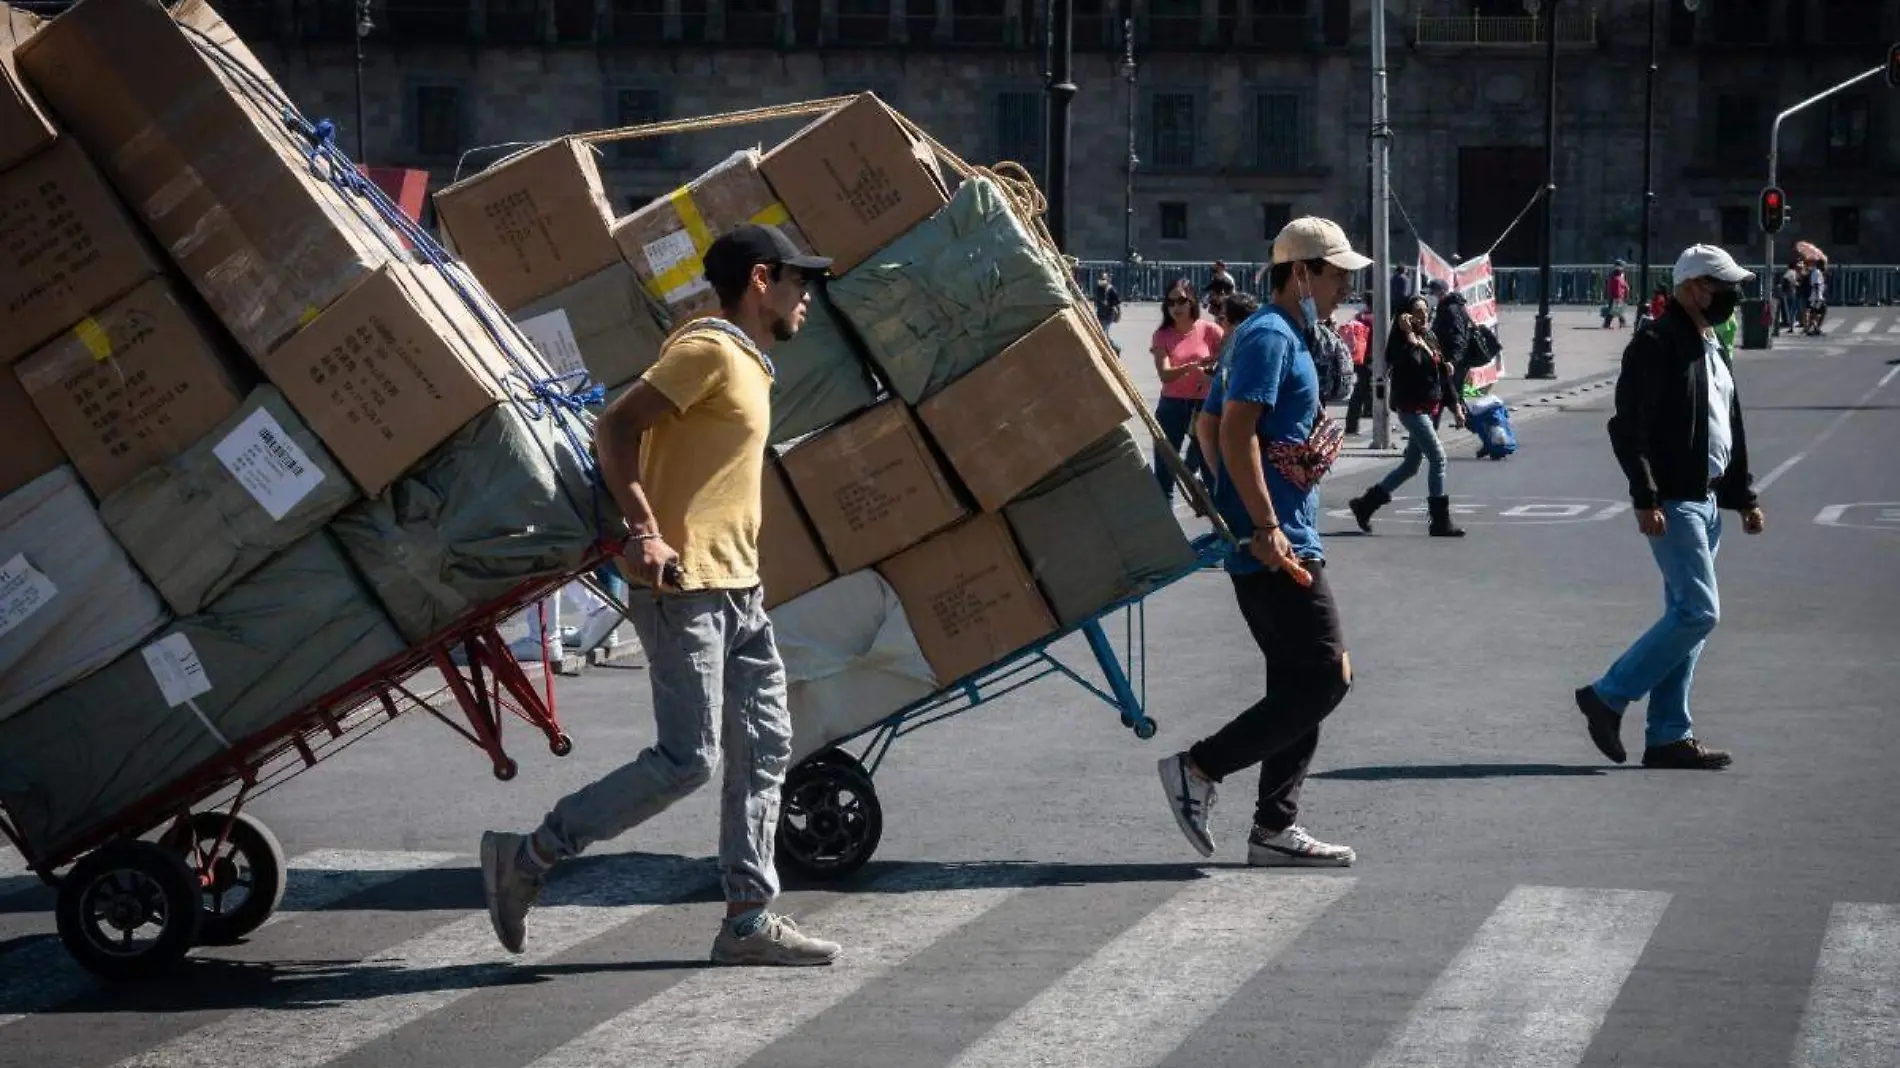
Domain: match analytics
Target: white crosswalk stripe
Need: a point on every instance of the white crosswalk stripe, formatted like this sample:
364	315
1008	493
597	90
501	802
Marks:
727	1016
1853	1014
40	976
1141	995
342	1014
11	863
1865	326
1533	985
1894	329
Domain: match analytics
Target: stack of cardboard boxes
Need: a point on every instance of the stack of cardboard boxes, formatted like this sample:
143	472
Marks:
222	367
965	486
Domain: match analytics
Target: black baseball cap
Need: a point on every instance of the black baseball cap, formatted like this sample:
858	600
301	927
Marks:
731	257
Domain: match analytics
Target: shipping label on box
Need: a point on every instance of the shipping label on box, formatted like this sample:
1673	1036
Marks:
854	181
532	224
132	386
23	591
968	597
1013	420
389	372
603	324
791	561
665	240
204	158
67	247
30	449
871	486
24	127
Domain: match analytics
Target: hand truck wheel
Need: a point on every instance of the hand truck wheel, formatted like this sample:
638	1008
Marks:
561	745
129	910
1146	729
243	883
506	770
830	820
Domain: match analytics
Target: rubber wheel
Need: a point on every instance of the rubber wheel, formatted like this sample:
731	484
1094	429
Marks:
245	883
130	910
830	820
507	770
1146	729
839	757
561	746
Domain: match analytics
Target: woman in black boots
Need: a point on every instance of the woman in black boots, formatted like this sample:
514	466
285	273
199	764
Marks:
1422	385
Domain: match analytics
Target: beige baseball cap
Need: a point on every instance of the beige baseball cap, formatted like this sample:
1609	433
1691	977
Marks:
1313	238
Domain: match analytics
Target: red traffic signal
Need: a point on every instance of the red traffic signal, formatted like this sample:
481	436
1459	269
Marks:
1893	65
1774	209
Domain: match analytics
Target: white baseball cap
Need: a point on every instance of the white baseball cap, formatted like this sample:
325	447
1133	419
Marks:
1313	238
1707	261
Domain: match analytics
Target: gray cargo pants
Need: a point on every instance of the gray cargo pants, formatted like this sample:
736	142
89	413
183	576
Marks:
715	670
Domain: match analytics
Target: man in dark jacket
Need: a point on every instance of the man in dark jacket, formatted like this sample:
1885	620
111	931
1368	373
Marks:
1678	436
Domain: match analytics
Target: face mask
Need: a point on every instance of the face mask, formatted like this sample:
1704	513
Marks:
1309	308
1722	305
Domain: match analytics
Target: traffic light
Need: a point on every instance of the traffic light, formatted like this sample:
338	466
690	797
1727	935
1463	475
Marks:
1774	210
1893	65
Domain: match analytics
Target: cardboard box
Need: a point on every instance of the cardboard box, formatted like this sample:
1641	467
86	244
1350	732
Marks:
665	240
132	386
968	597
24	127
602	324
855	180
791	562
872	486
1023	414
532	224
208	165
27	447
70	248
391	371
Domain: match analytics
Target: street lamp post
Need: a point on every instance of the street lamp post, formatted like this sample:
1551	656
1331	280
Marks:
1128	188
363	26
1543	363
1061	95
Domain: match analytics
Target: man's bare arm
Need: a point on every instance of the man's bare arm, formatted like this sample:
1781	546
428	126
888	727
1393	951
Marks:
617	441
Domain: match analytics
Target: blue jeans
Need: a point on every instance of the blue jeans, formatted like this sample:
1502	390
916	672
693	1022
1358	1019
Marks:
1662	663
1421	444
1176	416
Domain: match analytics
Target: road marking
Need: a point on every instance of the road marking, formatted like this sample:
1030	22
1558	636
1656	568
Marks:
1533	985
40	976
729	1015
1894	329
1827	432
331	1017
1865	326
12	864
1853	1014
1141	995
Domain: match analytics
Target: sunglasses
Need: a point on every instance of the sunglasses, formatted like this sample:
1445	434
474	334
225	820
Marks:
1179	300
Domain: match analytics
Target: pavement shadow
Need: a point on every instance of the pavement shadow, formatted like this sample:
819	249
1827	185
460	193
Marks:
1412	772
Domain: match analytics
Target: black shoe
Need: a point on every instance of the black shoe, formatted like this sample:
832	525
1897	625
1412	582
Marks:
1687	754
1442	526
1606	724
1364	507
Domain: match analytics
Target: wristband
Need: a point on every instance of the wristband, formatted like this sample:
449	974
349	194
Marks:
651	535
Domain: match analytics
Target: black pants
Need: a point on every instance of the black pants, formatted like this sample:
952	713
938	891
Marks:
1297	628
1360	406
1176	416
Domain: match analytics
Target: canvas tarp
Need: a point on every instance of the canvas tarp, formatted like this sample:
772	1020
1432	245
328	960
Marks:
850	659
70	600
507	499
1098	530
820	376
199	522
298	628
956	290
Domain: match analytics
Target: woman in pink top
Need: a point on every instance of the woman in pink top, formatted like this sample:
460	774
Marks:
1186	349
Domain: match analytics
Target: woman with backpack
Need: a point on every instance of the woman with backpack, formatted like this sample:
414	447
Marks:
1422	383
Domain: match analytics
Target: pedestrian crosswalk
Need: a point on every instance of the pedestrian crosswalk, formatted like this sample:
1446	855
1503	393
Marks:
1530	985
1851	326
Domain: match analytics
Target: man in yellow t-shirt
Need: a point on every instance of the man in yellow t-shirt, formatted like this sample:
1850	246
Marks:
683	453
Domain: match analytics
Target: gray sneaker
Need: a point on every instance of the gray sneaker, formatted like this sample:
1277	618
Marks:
779	942
1191	799
511	889
1294	848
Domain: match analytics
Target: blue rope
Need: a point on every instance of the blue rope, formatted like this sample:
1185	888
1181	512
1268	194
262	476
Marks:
547	397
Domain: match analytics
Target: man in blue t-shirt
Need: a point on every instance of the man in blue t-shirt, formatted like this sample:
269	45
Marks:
1268	396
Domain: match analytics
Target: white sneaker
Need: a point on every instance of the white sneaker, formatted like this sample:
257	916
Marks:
595	631
1191	798
779	943
1294	848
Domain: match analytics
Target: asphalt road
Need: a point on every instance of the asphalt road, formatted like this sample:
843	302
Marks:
1518	901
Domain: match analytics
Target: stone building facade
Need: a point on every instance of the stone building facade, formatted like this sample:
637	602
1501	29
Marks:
1244	112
